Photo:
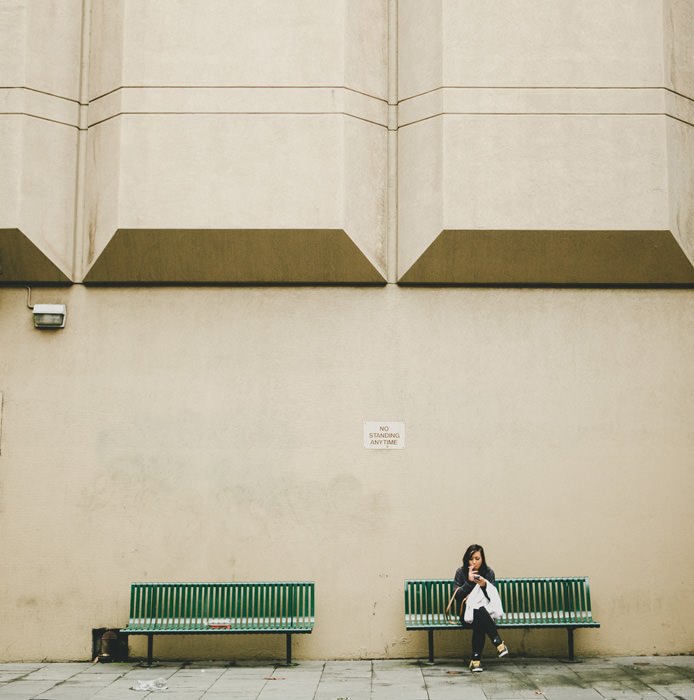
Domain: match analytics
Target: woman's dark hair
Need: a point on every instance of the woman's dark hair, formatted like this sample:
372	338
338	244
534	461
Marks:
484	569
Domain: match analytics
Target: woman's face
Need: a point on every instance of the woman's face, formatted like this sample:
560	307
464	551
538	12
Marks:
475	560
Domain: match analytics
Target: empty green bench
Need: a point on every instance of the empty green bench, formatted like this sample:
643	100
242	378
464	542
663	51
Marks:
221	608
528	603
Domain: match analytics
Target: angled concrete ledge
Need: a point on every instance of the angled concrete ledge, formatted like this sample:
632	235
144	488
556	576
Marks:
552	257
232	256
22	261
34	103
451	100
238	100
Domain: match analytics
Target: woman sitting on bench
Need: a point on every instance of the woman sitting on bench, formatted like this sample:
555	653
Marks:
475	571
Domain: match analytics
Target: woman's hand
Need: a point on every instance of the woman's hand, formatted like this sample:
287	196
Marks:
474	577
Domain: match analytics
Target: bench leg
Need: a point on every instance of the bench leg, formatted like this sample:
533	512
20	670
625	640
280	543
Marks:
571	643
150	648
289	649
430	634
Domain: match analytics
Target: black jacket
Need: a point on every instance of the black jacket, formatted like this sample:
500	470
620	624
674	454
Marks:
460	580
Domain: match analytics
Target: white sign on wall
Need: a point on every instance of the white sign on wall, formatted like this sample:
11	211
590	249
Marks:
384	435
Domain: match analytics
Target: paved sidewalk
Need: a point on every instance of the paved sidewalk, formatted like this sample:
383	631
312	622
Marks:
591	679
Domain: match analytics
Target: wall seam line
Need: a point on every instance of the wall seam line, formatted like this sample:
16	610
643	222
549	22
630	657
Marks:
82	135
392	146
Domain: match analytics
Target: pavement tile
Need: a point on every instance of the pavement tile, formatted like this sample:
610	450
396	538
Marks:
116	694
455	687
242	672
189	682
269	692
236	688
107	669
663	675
65	692
571	694
457	694
596	674
227	678
118	691
57	672
349	666
343	686
6	676
676	692
619	690
631	696
509	694
139	674
213	672
24	688
94	678
554	669
230	681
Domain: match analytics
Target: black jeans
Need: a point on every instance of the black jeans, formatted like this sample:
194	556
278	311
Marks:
482	625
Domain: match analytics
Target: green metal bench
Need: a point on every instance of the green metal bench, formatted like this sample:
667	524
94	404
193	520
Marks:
527	602
221	608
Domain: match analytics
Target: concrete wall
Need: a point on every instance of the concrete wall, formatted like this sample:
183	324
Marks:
216	434
39	98
410	150
265	117
541	137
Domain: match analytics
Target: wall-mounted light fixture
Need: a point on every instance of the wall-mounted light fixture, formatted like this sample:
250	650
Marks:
47	316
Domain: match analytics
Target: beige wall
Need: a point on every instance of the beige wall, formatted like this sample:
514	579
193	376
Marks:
193	434
214	432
